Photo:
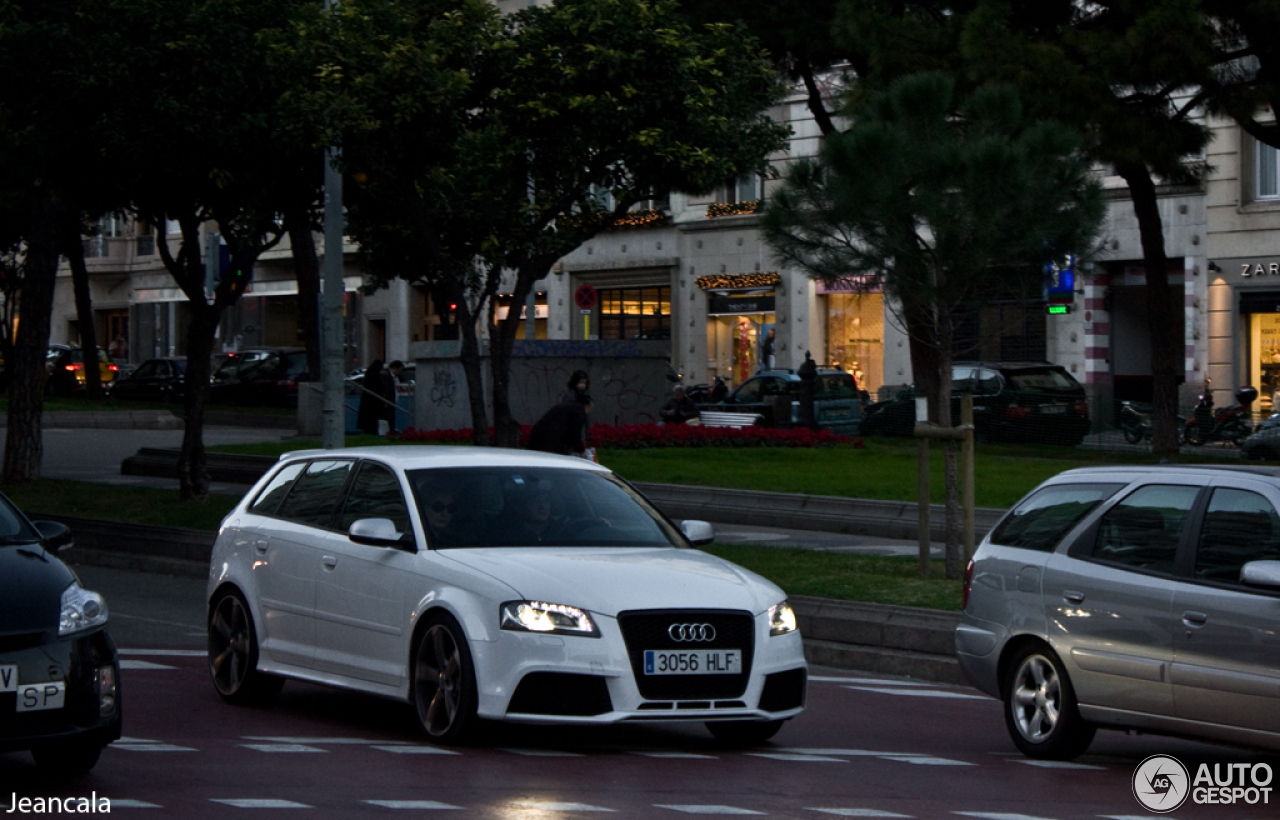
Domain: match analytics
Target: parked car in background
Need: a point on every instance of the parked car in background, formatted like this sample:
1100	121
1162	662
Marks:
499	585
775	396
59	669
270	379
226	365
1012	401
155	380
66	370
1139	598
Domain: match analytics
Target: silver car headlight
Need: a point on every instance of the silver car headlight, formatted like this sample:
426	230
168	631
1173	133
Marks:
782	619
557	619
81	610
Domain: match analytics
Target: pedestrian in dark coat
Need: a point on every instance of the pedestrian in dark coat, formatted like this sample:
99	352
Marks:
390	381
371	408
679	408
563	429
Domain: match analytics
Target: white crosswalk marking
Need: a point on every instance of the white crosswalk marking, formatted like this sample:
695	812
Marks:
415	750
125	663
541	753
796	757
868	681
136	744
327	741
134	804
541	805
262	804
698	809
863	813
920	760
166	653
1059	764
411	804
676	755
918	693
995	815
282	747
849	753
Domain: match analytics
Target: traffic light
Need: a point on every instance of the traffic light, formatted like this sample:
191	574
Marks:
241	276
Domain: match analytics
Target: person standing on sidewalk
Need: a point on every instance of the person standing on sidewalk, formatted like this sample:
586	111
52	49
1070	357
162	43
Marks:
563	429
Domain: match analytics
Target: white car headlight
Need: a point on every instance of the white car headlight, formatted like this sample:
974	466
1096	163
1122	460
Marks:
536	616
782	619
81	610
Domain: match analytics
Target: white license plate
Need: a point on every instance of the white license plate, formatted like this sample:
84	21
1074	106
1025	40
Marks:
8	678
34	697
1053	409
693	662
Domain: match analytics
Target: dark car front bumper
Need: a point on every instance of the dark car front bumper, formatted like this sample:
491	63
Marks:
75	661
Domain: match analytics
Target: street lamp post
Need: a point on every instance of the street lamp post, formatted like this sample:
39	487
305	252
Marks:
333	431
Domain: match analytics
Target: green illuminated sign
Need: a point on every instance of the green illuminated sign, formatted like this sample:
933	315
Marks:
1058	310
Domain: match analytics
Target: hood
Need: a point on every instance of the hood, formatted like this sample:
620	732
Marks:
31	585
613	580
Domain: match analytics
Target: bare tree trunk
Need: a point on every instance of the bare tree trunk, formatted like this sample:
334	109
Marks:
953	540
24	439
470	358
506	428
73	249
1167	344
306	267
193	474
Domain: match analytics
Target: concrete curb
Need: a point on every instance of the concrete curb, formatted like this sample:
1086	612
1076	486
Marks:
892	640
111	420
855	516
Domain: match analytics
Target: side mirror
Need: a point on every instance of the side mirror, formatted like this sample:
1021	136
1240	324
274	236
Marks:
376	532
53	535
698	532
1261	574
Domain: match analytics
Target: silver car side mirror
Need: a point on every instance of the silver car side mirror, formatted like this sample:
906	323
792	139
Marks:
375	532
1261	574
698	532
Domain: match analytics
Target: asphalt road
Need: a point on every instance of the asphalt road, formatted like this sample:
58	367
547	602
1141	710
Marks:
867	746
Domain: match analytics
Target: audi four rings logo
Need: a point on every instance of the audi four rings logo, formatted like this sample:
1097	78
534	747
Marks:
691	632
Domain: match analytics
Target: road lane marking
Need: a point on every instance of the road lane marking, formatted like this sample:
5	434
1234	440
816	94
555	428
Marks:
927	761
282	747
262	804
136	744
411	804
676	755
697	809
849	753
875	681
416	750
167	653
328	741
862	813
134	804
800	757
541	805
996	815
1059	764
919	693
126	663
541	753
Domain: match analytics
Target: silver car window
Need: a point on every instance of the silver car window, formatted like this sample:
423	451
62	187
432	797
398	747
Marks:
1042	520
1144	529
269	500
1239	526
375	493
314	496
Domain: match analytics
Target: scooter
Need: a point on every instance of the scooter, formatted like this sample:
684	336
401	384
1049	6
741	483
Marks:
1135	422
1231	424
708	393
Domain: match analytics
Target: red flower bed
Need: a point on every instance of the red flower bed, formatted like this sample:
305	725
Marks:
642	436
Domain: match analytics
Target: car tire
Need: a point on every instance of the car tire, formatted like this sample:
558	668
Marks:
67	757
1132	434
1040	707
744	732
233	654
444	681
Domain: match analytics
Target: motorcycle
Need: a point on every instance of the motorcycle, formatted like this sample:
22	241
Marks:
708	393
1231	424
1135	422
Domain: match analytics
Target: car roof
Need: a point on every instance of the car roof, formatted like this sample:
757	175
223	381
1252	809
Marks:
1132	472
420	456
791	374
1007	365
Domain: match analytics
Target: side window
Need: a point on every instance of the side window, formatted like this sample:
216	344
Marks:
1143	530
149	370
749	392
276	489
1239	526
314	496
375	493
988	383
773	387
1044	519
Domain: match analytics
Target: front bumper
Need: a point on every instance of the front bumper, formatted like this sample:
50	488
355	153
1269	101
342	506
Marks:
532	678
76	662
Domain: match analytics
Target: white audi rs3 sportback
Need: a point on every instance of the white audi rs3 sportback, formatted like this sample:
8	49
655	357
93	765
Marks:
499	584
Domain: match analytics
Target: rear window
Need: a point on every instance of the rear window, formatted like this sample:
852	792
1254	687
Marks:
1041	521
1047	378
833	387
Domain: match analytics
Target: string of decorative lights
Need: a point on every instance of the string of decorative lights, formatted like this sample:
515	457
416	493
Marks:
733	208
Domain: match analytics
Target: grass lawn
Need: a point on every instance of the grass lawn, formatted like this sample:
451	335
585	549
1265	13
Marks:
110	502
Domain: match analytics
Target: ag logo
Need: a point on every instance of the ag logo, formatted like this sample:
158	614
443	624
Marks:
1161	783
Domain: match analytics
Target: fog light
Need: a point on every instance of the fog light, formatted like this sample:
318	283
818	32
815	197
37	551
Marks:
106	690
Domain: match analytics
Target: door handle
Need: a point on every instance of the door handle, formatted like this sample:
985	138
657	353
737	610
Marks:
1071	596
261	546
1194	618
329	561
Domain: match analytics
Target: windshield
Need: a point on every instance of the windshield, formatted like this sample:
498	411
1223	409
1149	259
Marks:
1044	378
529	507
13	529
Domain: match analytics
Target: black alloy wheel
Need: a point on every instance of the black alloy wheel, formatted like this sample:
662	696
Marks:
233	654
1040	707
744	732
444	681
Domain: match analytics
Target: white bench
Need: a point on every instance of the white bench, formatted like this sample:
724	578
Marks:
716	418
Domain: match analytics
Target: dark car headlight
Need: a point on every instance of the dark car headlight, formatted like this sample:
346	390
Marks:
558	619
81	610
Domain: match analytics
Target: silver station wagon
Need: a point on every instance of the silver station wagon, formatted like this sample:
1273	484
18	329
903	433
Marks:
1131	597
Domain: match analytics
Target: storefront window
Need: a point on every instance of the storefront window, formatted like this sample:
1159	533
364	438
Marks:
540	313
855	336
1264	358
635	313
733	343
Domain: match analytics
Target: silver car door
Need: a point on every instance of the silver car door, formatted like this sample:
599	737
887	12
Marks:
1226	666
283	577
1108	603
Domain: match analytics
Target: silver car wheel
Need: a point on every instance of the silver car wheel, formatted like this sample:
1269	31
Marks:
1036	698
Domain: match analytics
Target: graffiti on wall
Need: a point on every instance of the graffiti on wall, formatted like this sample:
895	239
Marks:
443	387
624	392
